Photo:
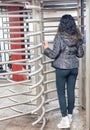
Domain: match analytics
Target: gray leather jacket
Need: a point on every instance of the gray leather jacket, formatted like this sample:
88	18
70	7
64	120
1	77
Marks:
66	51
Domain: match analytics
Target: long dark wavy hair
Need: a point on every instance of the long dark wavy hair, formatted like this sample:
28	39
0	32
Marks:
68	26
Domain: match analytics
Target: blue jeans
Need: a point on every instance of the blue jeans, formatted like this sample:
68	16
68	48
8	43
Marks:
68	77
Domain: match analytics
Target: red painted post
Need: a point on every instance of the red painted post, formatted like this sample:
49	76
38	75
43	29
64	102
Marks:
15	67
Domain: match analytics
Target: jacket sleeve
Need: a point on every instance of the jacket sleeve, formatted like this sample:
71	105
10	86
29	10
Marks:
53	53
80	51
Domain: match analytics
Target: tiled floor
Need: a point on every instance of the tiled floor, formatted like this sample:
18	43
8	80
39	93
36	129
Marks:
25	122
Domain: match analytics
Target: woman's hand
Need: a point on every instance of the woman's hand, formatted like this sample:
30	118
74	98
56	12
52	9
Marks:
46	45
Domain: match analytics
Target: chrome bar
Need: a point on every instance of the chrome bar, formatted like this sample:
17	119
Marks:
21	5
40	106
25	21
22	49
41	117
15	83
39	95
14	27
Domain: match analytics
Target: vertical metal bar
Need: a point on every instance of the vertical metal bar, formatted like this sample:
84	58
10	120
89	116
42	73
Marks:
88	64
27	44
80	60
3	45
35	14
82	16
43	39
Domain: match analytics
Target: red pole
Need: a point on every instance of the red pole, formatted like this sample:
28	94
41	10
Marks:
15	67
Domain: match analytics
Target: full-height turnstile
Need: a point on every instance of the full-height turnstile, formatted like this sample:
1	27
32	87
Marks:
26	76
51	14
21	79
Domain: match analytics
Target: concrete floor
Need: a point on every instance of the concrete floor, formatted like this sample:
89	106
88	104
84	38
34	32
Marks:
25	122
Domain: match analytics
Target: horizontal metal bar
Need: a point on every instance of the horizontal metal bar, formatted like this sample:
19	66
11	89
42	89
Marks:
14	27
18	38
22	43
60	5
21	72
50	71
51	109
16	11
15	83
58	1
62	9
50	26
34	34
50	100
25	64
16	110
20	53
47	62
38	83
12	90
55	19
14	22
32	7
49	91
14	116
21	5
23	32
13	15
11	4
29	61
25	21
22	49
11	39
16	104
49	81
32	20
27	33
14	61
13	1
13	100
51	20
49	31
50	34
19	111
16	94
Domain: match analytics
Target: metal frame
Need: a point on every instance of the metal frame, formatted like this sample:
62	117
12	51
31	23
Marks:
32	89
88	65
39	82
46	19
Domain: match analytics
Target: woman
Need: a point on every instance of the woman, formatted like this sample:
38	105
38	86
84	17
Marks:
66	51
